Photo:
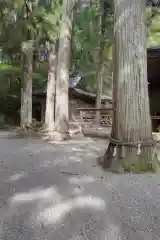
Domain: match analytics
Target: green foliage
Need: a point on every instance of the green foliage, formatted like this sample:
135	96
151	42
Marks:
86	43
10	81
21	21
153	15
28	28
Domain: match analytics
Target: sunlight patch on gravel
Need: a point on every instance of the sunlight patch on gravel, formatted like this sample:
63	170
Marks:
58	212
83	179
34	195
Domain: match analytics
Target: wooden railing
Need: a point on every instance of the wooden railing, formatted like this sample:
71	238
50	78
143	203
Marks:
88	115
155	117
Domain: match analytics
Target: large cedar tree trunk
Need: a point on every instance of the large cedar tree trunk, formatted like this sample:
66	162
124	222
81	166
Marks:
26	88
131	122
50	98
62	75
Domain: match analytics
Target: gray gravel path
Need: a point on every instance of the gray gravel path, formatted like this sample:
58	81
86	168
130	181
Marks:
56	192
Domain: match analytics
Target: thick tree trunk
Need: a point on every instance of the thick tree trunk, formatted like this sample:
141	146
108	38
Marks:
26	89
62	76
50	98
131	122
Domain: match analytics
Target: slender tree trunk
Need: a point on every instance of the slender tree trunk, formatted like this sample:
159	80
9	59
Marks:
50	98
26	71
99	60
26	89
99	82
62	76
131	122
102	27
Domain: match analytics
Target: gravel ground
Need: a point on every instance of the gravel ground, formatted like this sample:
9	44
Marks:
57	192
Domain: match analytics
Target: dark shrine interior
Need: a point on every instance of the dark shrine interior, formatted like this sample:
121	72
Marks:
153	67
153	62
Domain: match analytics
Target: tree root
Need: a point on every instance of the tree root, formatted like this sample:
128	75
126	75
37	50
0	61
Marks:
27	131
147	161
57	136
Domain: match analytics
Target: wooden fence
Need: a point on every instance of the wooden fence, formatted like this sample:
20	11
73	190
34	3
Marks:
88	116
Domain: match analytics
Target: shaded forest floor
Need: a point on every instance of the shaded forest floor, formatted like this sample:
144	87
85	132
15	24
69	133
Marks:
58	192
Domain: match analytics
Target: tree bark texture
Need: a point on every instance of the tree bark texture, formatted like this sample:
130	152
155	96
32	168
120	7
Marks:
102	27
26	89
50	98
131	121
62	76
99	86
